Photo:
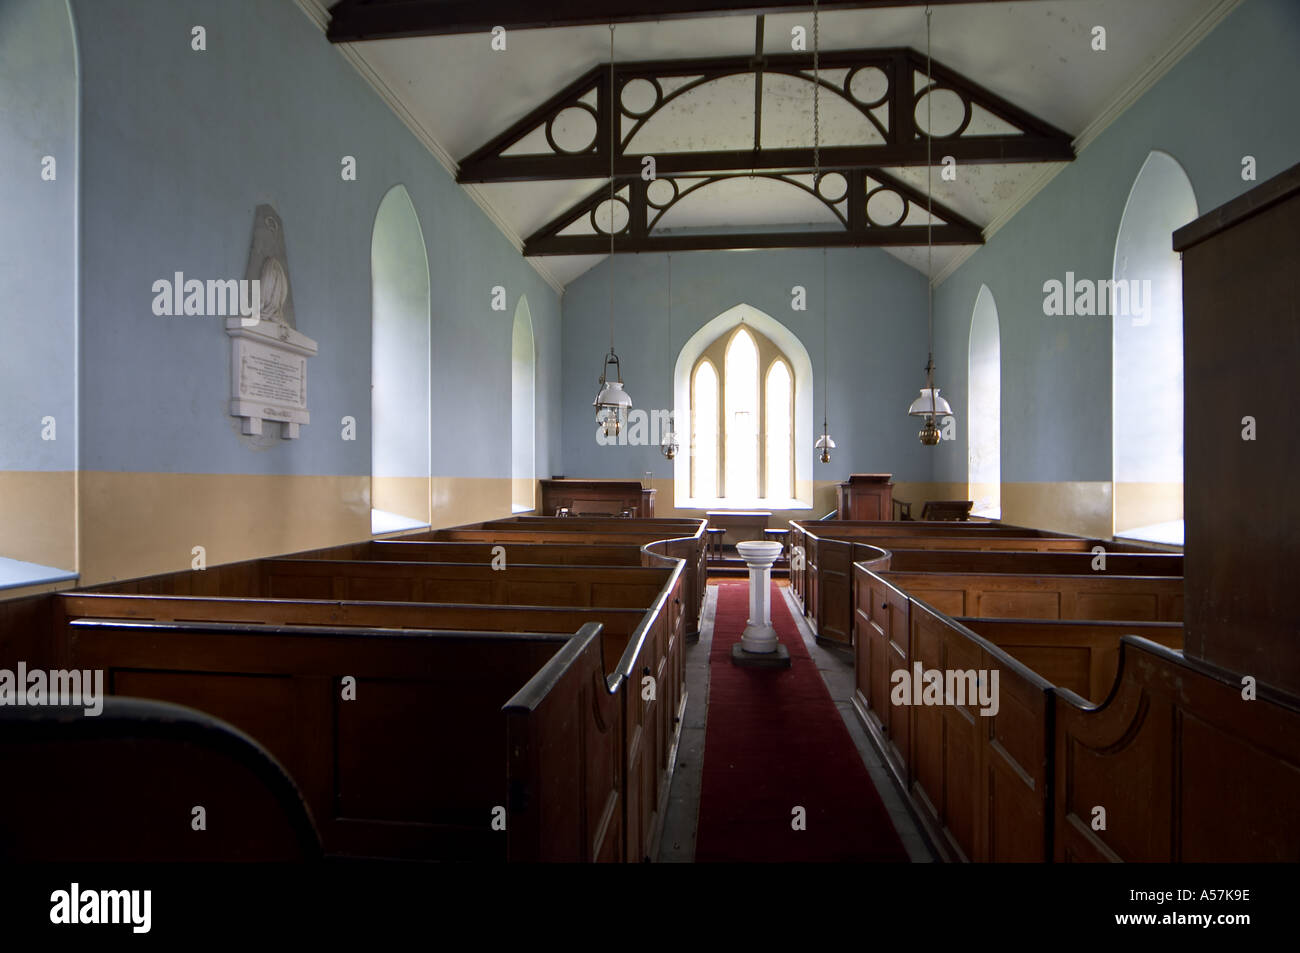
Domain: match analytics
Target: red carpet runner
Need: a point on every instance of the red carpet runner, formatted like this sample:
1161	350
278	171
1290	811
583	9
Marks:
775	741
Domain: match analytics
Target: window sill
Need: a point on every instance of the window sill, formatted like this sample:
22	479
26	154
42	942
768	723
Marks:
739	505
382	523
1167	534
16	574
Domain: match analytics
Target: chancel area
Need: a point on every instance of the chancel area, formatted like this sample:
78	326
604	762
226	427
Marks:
696	432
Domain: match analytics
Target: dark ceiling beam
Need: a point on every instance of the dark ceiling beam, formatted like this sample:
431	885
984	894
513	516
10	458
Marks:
353	20
1036	140
976	149
877	236
640	233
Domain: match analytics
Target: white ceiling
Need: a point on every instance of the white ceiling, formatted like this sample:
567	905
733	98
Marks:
1036	54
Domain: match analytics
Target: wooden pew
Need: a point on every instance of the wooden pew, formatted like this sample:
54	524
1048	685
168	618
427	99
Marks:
1186	769
1082	656
644	642
1050	563
412	767
121	786
625	586
554	766
1042	596
671	539
825	583
618	623
983	784
515	554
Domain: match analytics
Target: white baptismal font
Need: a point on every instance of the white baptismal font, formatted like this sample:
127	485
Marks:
758	646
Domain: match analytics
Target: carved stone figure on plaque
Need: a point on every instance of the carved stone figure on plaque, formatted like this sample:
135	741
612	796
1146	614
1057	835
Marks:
268	358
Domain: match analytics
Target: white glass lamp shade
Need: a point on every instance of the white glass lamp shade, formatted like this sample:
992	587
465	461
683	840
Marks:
824	446
612	396
929	404
668	445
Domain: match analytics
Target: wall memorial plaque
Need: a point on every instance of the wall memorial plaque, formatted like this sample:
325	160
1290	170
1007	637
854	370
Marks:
268	357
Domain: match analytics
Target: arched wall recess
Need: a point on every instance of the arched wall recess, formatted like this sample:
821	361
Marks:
984	407
523	414
399	377
1146	309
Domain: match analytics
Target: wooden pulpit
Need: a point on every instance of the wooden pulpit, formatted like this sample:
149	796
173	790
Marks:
866	496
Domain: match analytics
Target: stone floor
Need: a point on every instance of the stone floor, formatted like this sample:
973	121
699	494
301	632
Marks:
836	668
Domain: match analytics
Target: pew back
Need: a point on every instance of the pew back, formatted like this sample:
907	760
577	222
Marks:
1045	563
1082	656
1031	596
1188	770
372	757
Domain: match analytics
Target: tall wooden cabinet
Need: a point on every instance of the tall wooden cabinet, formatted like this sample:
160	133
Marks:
1241	442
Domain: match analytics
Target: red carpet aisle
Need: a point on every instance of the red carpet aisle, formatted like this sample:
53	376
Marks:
774	740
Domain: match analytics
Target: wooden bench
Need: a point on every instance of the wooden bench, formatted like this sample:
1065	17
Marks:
947	509
514	554
1041	596
983	784
823	555
670	539
618	586
1050	563
1082	656
1186	769
411	768
122	786
644	641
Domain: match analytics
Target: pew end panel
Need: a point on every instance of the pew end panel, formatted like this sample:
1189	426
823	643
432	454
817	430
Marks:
883	634
1187	769
565	750
981	774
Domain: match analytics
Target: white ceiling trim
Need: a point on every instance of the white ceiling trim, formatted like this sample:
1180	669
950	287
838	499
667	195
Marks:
319	14
1148	78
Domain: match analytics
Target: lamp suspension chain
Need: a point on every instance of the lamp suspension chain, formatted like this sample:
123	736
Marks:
817	84
929	198
613	116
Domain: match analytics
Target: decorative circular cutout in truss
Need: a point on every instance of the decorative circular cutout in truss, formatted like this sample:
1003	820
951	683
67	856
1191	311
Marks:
661	193
951	112
600	216
885	207
868	86
832	186
572	130
640	96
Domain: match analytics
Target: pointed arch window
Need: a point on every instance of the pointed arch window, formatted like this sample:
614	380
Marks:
778	399
742	422
704	430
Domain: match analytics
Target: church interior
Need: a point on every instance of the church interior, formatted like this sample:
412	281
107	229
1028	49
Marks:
931	508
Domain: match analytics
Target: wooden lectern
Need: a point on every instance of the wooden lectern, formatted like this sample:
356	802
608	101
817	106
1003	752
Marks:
597	498
866	496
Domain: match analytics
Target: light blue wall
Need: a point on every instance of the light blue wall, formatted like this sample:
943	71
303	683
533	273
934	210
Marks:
38	117
1232	95
877	348
179	148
